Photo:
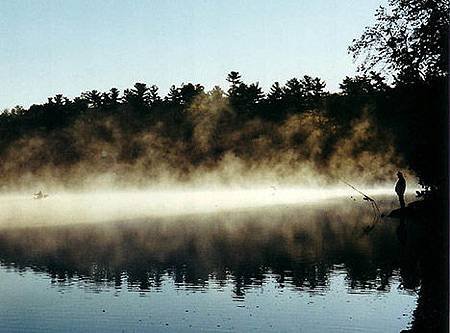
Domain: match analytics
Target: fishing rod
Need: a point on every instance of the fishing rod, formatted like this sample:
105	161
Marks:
365	196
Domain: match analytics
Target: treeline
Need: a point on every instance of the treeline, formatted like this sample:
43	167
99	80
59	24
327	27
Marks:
192	128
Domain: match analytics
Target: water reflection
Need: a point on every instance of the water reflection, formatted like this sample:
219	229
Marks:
300	246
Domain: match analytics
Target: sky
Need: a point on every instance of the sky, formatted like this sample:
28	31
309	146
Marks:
70	46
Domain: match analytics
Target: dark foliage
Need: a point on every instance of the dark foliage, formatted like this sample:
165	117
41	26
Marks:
409	44
403	111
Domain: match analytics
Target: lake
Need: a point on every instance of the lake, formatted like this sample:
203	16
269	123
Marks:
326	266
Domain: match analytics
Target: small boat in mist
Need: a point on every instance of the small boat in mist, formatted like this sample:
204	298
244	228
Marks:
40	195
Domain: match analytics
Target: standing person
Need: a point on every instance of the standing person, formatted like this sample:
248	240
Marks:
400	188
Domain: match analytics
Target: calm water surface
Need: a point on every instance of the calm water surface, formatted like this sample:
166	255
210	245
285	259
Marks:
328	267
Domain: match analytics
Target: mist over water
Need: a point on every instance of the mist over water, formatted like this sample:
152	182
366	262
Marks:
21	209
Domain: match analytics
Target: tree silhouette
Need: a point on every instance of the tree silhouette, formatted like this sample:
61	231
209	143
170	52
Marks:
234	78
188	92
409	40
294	95
313	89
174	95
110	100
94	98
276	93
58	100
154	97
138	97
363	85
246	98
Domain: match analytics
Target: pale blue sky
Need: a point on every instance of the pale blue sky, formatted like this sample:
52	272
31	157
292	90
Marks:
70	46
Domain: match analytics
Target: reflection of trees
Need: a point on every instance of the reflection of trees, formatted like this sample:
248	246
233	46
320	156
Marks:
299	246
424	244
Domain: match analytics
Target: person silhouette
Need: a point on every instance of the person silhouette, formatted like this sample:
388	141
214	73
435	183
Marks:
400	188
